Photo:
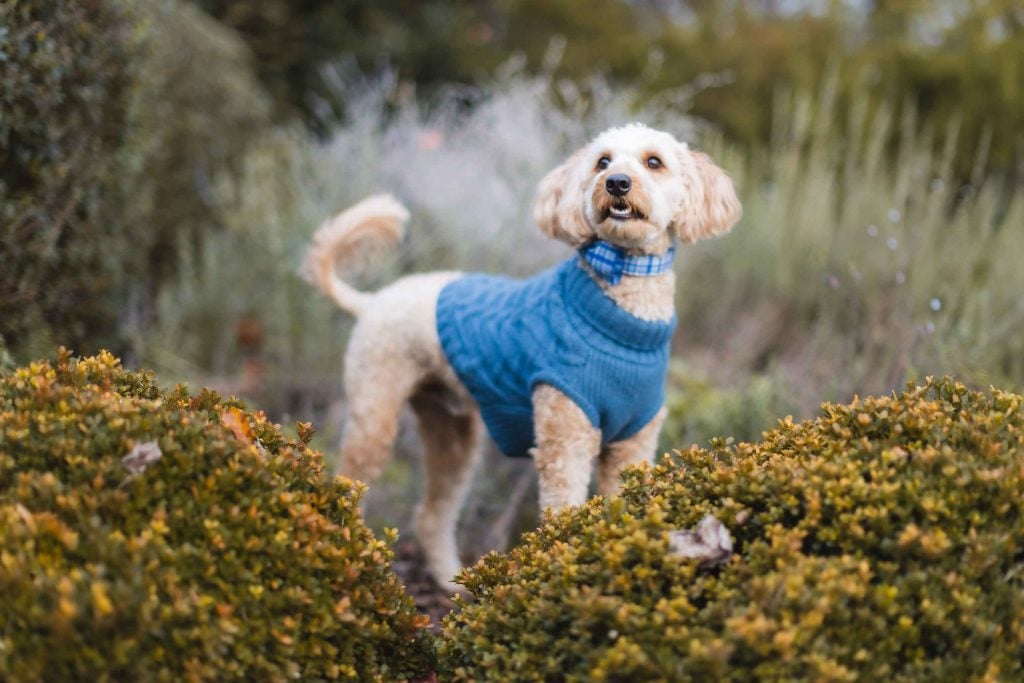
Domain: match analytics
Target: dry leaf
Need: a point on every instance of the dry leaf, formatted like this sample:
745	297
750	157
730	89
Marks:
234	419
709	542
26	516
142	456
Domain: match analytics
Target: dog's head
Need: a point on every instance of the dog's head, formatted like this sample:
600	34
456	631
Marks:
636	187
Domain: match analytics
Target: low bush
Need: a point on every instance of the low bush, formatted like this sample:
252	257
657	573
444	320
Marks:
883	540
151	535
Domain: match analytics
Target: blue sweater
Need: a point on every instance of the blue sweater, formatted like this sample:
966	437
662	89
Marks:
504	336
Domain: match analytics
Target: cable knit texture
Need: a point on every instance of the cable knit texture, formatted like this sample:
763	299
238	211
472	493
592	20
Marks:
504	336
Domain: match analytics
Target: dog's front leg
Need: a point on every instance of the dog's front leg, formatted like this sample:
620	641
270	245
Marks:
566	447
615	457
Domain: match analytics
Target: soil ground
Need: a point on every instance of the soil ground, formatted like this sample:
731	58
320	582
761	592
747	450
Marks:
411	567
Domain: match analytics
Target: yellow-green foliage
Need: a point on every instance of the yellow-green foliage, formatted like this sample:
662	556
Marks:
881	541
232	557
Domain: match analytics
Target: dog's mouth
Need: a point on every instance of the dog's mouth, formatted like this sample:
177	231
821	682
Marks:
622	211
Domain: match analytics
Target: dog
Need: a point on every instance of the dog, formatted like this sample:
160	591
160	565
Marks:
567	367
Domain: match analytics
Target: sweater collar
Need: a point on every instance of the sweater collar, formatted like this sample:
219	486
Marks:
611	262
590	305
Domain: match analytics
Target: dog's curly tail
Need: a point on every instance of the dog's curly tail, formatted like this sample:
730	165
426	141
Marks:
374	222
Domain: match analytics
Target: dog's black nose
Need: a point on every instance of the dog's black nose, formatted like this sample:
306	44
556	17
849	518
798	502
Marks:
618	184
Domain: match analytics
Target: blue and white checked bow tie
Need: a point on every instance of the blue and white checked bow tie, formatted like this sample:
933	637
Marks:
612	262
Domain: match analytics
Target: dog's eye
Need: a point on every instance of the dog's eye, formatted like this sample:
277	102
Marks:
603	162
654	162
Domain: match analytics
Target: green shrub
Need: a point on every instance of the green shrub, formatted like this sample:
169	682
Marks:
699	410
881	541
194	113
64	75
231	556
119	122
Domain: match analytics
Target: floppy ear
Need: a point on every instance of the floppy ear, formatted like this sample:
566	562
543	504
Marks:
559	206
710	207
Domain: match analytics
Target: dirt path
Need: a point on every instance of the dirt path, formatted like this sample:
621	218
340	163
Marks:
410	566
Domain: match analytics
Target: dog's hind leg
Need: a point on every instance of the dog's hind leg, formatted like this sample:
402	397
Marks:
451	446
377	386
394	348
617	456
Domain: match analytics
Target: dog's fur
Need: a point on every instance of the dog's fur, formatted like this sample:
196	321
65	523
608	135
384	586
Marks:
395	356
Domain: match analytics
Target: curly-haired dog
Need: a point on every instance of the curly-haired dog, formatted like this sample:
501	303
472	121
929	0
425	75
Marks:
568	366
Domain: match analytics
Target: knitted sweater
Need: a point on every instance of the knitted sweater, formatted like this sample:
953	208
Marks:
504	336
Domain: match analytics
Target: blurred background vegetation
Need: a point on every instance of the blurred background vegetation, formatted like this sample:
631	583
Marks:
163	163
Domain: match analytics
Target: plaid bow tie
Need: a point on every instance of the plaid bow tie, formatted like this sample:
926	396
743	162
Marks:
612	262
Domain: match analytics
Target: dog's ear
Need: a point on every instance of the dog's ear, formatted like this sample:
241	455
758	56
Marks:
559	209
710	206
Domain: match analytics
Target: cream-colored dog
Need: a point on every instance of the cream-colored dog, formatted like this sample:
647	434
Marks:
633	187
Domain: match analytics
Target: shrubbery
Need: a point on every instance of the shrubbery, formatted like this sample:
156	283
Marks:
196	109
219	550
119	122
64	77
699	409
883	540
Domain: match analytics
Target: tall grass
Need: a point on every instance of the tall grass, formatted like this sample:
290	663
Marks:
857	267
